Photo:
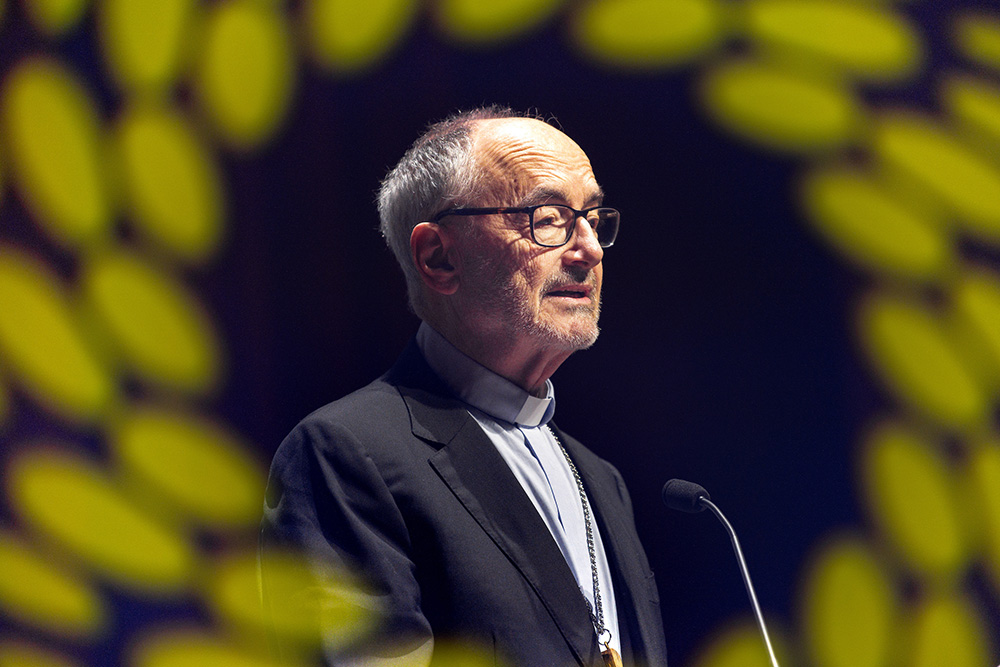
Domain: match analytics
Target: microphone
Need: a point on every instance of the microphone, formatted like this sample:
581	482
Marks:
685	496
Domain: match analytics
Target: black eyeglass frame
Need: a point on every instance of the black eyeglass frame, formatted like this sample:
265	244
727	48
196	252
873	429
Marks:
530	210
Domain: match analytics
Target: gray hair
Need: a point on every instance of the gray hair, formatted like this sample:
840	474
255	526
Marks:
439	171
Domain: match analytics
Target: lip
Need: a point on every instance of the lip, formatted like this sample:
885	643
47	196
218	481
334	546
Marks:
572	291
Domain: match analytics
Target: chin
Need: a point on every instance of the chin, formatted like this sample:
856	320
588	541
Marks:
585	340
580	336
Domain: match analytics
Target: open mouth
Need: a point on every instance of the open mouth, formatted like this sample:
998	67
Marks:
571	292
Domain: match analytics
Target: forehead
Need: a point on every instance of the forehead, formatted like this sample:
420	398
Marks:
524	155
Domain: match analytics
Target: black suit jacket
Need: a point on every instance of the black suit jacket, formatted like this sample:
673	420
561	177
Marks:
398	482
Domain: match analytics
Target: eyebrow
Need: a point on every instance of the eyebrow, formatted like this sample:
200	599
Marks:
542	194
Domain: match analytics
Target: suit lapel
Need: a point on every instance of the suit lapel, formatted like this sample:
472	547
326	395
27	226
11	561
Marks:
470	465
481	480
622	548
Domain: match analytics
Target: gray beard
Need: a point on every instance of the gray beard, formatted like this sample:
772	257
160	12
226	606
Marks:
516	319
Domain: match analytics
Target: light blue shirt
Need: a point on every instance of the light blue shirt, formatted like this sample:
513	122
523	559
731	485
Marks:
516	423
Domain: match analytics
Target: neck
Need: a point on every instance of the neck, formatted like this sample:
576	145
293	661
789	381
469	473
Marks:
526	364
529	369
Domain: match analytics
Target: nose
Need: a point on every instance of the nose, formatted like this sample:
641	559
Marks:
583	248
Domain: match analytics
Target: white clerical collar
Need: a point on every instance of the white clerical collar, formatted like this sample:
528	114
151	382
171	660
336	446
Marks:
482	388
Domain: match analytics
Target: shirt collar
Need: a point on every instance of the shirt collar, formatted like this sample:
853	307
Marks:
482	388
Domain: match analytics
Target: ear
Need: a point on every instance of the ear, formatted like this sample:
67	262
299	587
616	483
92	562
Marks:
433	254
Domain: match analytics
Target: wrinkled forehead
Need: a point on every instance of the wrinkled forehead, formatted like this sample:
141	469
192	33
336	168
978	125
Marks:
521	156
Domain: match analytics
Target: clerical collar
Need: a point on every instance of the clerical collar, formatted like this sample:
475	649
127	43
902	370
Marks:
482	388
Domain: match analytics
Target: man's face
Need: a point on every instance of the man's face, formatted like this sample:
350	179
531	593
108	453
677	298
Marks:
515	291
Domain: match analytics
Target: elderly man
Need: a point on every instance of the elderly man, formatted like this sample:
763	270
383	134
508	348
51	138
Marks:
444	484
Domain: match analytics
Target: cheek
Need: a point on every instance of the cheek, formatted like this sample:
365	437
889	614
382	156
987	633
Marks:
528	270
538	275
529	282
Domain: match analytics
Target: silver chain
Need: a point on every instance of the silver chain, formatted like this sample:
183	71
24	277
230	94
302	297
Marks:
598	616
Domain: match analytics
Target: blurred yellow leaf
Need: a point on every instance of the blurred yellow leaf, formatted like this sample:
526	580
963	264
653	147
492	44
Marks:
911	493
936	161
946	630
648	33
872	227
245	70
913	353
346	35
56	151
145	43
37	591
54	17
850	610
156	325
202	469
866	41
474	21
42	341
171	182
68	498
780	108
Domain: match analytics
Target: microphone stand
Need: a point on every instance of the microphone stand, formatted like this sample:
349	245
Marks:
702	500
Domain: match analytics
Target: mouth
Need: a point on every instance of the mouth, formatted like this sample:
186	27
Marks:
576	292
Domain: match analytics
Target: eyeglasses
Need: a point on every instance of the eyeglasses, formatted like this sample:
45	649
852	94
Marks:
552	225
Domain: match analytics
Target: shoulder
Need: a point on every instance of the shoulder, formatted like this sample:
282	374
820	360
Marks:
357	423
374	425
375	410
374	407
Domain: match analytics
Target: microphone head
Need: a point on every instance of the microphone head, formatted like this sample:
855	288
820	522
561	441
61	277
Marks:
685	496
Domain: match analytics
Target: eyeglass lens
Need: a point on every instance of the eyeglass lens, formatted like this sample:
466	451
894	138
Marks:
552	225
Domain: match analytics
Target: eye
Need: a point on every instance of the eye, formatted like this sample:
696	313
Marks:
547	216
